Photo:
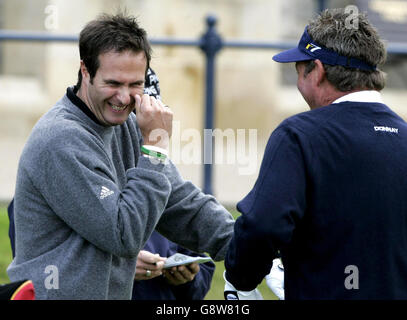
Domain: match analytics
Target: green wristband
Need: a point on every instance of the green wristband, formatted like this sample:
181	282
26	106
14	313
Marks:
152	153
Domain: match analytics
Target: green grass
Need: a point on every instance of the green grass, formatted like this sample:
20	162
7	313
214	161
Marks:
215	293
5	249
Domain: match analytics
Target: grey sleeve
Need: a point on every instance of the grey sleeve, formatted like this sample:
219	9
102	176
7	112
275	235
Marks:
80	187
195	220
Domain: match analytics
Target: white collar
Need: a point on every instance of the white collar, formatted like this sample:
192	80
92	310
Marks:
361	96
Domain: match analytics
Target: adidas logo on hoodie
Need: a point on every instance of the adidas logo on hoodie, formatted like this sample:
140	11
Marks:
105	192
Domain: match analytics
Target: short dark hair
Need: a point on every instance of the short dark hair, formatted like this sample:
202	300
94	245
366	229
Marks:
111	33
363	43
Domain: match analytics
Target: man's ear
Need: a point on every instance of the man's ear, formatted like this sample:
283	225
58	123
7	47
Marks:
319	73
85	73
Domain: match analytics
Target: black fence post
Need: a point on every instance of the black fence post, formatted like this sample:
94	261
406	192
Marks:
210	44
321	5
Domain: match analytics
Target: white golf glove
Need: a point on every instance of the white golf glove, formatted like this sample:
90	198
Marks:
275	279
231	293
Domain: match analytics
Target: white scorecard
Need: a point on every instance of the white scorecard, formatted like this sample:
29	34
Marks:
180	259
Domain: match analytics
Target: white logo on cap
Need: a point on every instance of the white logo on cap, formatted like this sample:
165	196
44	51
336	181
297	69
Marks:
313	47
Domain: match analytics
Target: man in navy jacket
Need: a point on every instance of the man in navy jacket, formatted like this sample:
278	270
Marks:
331	192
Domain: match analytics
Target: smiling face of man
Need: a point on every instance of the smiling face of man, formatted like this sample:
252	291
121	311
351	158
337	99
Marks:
110	95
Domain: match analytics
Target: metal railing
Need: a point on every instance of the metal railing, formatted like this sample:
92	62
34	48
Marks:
210	43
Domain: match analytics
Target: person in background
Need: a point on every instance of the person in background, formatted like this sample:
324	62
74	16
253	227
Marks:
190	282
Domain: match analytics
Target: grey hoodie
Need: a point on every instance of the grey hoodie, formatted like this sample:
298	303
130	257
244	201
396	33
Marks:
86	202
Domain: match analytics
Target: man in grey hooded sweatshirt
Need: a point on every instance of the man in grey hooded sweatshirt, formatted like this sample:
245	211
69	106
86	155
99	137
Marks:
94	179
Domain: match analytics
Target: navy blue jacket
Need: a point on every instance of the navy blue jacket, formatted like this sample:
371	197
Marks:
158	289
331	196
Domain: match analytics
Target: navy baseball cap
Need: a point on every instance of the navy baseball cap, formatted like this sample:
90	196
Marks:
308	49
